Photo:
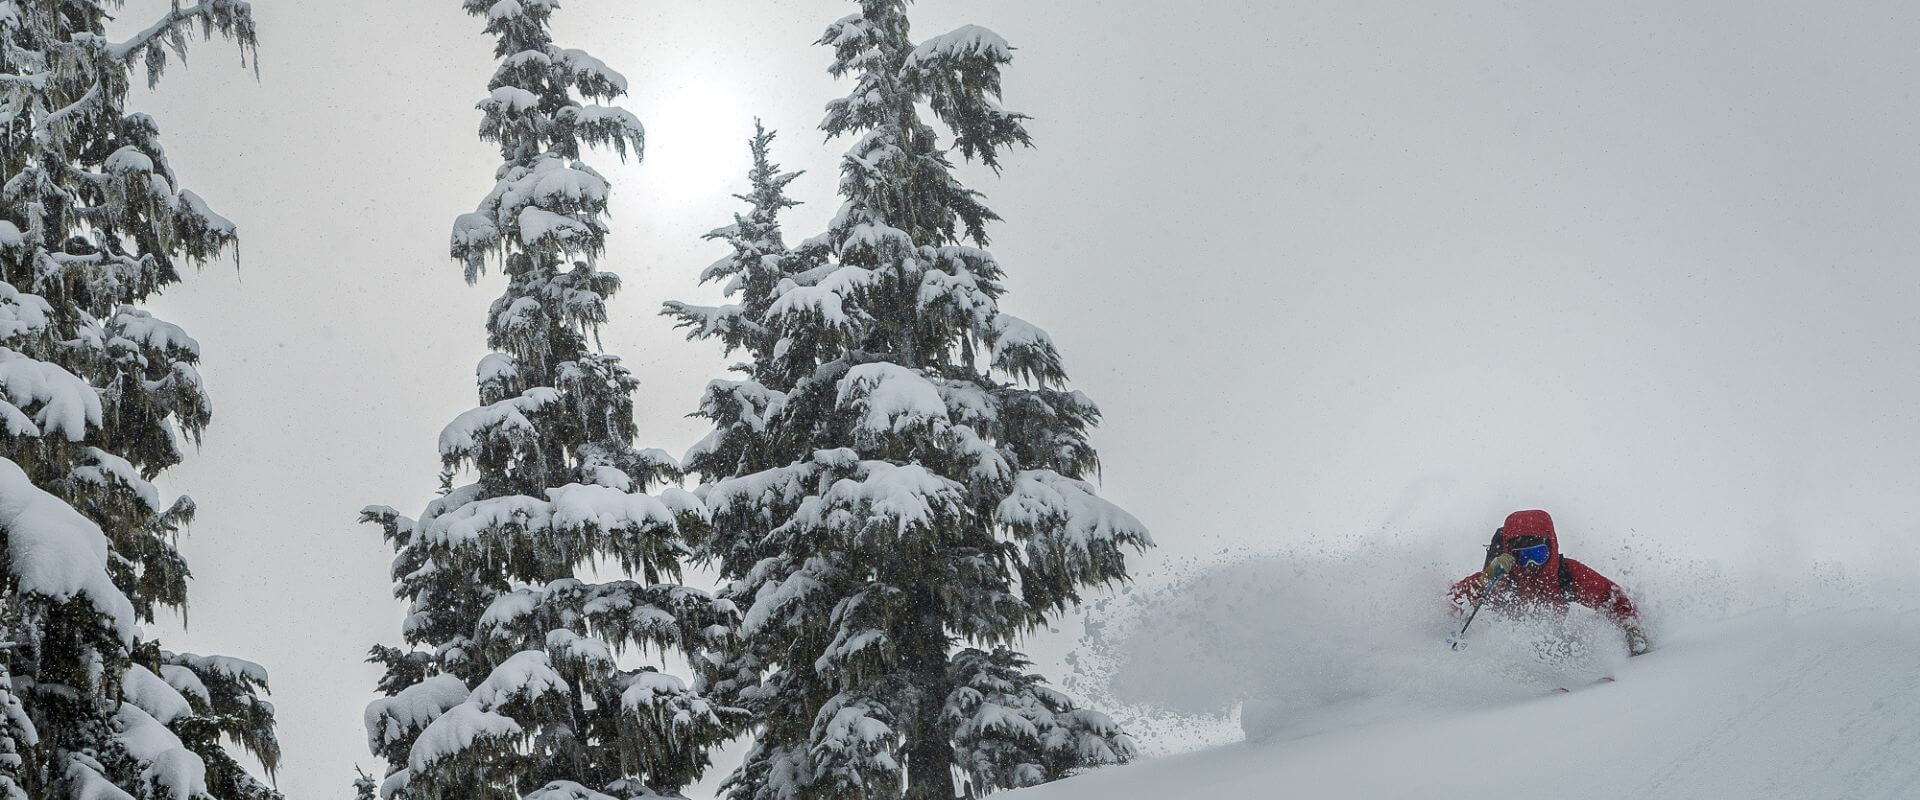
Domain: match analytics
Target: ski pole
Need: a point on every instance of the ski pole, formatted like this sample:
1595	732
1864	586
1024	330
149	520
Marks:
1460	639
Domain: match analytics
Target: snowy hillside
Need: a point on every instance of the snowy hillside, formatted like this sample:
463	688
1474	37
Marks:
1806	687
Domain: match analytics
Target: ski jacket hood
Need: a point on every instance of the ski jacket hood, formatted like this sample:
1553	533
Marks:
1533	522
1558	582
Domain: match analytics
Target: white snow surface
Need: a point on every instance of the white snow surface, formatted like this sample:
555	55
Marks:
154	696
198	206
577	505
137	325
1791	685
584	67
66	404
572	507
169	768
184	681
967	41
456	730
1013	332
566	790
21	314
540	227
390	719
507	417
56	552
512	99
84	781
128	159
890	397
1067	510
569	647
526	675
910	495
107	466
494	366
233	669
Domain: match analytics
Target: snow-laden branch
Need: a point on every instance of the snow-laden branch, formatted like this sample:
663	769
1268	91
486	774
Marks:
60	115
233	18
144	38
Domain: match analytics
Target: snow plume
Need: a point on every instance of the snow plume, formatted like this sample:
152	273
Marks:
1291	644
1280	640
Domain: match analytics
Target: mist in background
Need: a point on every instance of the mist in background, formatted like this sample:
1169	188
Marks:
1375	273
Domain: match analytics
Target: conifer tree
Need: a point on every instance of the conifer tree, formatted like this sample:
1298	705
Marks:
514	688
96	395
740	409
900	494
752	271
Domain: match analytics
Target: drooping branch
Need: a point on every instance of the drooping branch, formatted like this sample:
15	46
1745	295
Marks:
233	17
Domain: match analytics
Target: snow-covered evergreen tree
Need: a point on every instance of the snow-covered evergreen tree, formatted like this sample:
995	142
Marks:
514	689
760	260
903	473
95	396
752	271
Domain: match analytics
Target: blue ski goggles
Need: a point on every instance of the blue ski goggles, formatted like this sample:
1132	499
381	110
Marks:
1529	551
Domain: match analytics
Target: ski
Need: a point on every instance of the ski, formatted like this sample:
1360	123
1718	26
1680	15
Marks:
1605	679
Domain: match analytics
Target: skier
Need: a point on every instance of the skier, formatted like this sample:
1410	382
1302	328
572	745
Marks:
1524	568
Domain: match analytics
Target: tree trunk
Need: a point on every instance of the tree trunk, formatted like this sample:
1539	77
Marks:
930	750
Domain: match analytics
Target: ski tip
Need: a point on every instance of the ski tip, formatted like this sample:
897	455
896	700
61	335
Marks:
1596	682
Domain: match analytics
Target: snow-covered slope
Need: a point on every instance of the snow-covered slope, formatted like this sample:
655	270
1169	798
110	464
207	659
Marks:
1805	688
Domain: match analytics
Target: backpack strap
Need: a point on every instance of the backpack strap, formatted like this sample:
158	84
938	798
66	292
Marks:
1566	580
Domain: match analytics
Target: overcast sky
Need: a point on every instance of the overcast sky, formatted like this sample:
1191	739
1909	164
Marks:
1375	273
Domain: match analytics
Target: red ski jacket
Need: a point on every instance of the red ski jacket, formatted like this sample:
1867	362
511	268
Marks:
1552	585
